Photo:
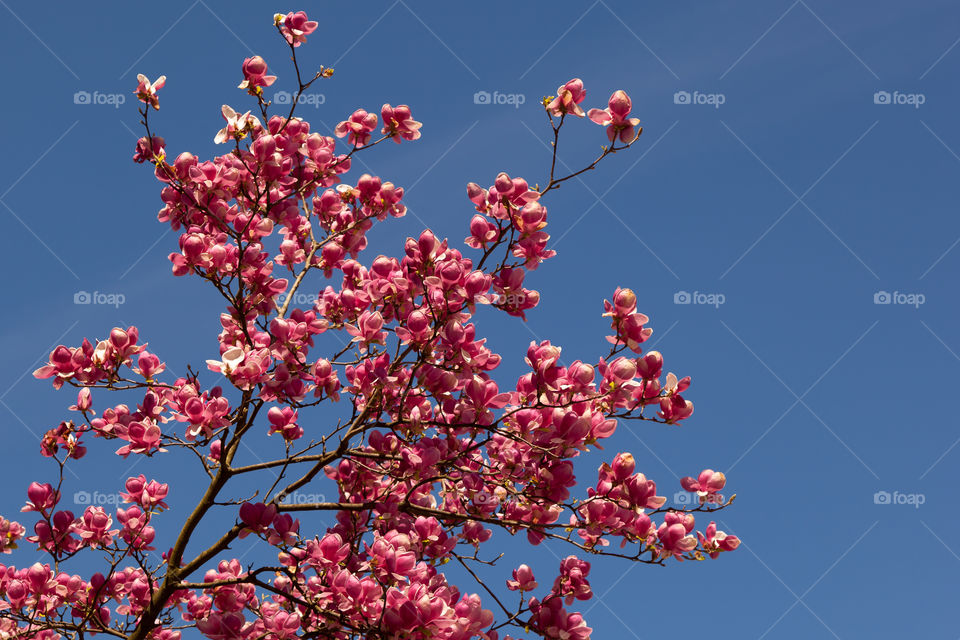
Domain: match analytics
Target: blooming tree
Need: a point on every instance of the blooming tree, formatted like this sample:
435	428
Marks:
431	458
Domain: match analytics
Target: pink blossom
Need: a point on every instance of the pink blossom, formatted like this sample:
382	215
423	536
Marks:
143	437
615	115
256	517
568	99
398	123
368	330
148	495
357	127
255	75
295	27
709	482
284	421
10	532
147	91
523	579
149	365
151	149
238	126
714	542
94	527
42	497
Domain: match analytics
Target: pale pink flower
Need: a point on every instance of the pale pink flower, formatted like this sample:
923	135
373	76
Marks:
147	91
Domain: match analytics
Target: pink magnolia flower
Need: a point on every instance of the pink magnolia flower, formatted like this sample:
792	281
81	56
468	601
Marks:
255	75
709	482
368	329
572	582
94	527
136	530
147	91
398	123
623	466
256	517
142	437
523	579
230	360
295	27
148	495
674	408
568	99
149	365
42	497
225	626
84	401
237	125
716	541
149	149
284	421
10	532
674	535
650	365
615	115
357	127
552	620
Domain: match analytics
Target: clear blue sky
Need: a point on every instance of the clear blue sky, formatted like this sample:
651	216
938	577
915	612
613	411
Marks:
798	199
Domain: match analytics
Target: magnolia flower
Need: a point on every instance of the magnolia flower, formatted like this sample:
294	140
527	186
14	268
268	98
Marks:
237	125
231	359
295	27
255	75
615	115
147	92
569	97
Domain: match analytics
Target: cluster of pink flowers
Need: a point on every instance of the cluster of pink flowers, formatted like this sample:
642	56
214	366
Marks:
432	455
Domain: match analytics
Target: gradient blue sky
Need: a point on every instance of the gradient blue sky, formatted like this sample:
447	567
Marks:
798	199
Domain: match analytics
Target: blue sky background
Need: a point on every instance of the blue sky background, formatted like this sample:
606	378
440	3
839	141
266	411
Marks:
798	200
